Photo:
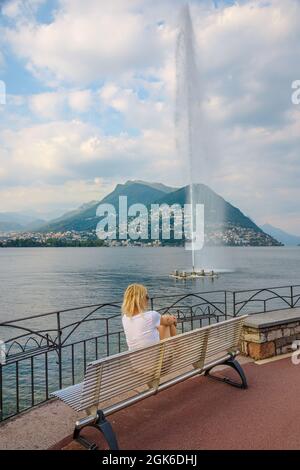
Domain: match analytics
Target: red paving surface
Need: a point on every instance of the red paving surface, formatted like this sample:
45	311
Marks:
204	414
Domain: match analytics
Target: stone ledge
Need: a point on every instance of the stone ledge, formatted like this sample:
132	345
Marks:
270	334
277	317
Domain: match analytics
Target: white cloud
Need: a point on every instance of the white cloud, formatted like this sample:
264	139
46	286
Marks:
50	200
63	150
80	100
52	105
47	105
86	43
144	113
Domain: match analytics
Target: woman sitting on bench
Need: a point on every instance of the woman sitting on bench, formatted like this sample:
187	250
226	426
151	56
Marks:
144	327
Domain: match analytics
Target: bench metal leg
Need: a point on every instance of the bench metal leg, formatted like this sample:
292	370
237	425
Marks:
104	427
234	364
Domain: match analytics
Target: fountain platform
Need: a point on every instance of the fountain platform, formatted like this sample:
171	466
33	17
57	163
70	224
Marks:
193	274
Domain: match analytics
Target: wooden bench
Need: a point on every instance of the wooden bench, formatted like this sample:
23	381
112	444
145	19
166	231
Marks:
118	381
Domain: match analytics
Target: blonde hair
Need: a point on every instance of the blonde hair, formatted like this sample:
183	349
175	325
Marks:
135	300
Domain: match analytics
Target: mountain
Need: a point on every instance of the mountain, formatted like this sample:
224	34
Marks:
217	210
136	192
84	218
159	186
7	226
17	222
282	236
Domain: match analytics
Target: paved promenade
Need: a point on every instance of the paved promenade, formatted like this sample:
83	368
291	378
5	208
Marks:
196	414
205	414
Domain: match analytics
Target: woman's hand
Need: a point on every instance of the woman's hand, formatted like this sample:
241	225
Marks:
169	320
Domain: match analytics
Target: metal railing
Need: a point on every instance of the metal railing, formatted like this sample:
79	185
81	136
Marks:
265	299
49	351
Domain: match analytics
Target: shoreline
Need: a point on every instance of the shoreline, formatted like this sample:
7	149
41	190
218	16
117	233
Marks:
148	246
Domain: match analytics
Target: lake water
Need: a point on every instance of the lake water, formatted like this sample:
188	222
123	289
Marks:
37	280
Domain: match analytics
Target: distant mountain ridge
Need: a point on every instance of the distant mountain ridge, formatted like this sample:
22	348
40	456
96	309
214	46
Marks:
85	219
217	209
159	186
280	235
7	226
17	222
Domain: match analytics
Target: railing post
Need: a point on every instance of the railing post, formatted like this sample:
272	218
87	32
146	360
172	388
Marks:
152	303
225	300
107	337
234	307
292	296
59	349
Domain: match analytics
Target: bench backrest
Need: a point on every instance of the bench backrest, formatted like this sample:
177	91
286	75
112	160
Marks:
112	377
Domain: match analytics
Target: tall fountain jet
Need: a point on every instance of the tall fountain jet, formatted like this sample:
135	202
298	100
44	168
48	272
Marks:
190	125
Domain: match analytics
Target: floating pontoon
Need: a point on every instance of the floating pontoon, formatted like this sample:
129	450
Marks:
193	274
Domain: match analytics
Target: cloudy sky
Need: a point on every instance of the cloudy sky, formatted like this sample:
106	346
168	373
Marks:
91	97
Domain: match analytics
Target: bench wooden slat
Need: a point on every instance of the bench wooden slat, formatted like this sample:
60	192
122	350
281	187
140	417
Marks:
71	395
224	338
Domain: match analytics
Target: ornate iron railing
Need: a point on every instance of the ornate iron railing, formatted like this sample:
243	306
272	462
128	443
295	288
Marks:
50	351
265	299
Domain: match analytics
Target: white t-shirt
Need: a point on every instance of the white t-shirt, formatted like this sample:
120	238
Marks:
142	329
